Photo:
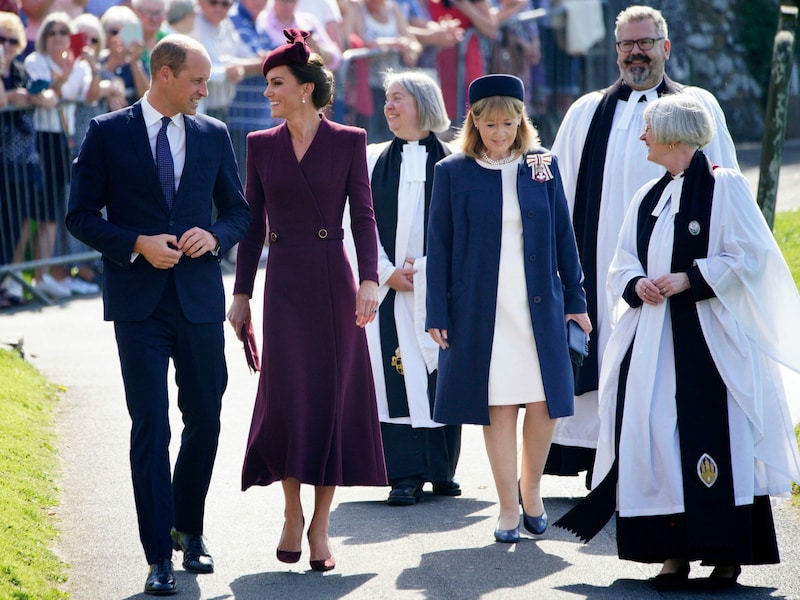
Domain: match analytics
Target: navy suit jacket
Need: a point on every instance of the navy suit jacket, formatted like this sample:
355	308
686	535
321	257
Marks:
115	170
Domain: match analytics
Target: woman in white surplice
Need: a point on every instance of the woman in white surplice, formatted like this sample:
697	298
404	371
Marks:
710	311
404	358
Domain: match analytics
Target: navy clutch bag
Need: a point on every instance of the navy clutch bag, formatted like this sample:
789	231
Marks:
577	342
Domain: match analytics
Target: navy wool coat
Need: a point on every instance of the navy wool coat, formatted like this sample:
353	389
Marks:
464	232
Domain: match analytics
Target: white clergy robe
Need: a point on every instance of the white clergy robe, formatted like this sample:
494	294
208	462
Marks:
751	327
626	170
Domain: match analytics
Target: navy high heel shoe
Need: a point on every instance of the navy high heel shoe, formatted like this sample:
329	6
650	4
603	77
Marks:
536	525
507	536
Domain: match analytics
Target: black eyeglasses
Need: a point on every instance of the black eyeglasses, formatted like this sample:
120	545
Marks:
644	44
10	41
55	32
220	3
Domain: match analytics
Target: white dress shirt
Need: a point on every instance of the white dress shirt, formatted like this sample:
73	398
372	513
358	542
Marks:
176	134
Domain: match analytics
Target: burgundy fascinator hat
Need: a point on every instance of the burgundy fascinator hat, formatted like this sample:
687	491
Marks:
294	52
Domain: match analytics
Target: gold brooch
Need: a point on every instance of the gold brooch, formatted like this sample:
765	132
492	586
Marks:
397	362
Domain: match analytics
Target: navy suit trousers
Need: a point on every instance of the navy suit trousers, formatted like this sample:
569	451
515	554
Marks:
197	351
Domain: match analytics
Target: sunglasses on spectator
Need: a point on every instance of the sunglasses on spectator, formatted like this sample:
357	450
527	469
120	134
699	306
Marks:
55	32
220	3
153	13
11	41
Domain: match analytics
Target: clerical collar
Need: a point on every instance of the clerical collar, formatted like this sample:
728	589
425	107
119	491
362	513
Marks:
427	141
625	91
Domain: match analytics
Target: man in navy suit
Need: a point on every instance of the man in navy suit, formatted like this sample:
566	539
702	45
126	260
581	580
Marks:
163	285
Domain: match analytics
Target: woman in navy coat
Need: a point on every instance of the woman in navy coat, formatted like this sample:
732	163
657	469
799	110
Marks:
315	419
503	279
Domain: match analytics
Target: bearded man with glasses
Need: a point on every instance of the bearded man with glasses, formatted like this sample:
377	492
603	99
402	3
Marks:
602	166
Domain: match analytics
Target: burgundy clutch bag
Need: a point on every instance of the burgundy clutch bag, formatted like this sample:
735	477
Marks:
250	347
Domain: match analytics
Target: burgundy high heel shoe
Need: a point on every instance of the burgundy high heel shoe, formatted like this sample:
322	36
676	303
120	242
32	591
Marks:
323	565
326	564
288	556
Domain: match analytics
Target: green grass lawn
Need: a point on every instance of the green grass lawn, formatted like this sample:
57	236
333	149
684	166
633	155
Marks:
28	469
29	570
787	233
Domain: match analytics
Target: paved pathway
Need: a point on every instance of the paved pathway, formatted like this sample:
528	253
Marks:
439	549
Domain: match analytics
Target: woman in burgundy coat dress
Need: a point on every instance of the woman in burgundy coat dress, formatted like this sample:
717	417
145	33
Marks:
315	419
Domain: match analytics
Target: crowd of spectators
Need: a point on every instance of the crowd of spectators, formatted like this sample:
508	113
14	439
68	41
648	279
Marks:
67	61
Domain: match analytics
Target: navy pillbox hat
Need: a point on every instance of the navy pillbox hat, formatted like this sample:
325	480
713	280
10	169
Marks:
496	85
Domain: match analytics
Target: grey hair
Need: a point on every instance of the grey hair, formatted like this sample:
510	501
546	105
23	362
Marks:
50	20
637	13
89	20
117	16
428	96
137	4
679	118
179	9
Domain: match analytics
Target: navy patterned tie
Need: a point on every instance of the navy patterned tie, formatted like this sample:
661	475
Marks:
166	169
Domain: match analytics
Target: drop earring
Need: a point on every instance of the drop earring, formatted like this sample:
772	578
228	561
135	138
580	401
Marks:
303	99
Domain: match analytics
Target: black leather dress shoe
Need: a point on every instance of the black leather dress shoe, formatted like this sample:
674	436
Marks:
668	582
196	558
404	495
447	488
718	581
161	579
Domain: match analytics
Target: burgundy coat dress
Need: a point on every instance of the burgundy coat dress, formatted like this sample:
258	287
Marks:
315	416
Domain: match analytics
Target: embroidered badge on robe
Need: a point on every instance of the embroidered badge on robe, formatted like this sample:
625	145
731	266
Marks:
694	228
540	166
397	362
707	470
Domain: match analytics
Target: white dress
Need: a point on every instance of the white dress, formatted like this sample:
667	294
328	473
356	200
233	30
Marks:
514	373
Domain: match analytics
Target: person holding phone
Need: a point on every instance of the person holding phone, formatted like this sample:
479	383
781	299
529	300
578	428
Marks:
58	80
151	14
20	175
124	55
503	279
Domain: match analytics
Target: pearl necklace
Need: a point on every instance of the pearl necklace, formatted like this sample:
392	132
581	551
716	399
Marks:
500	161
